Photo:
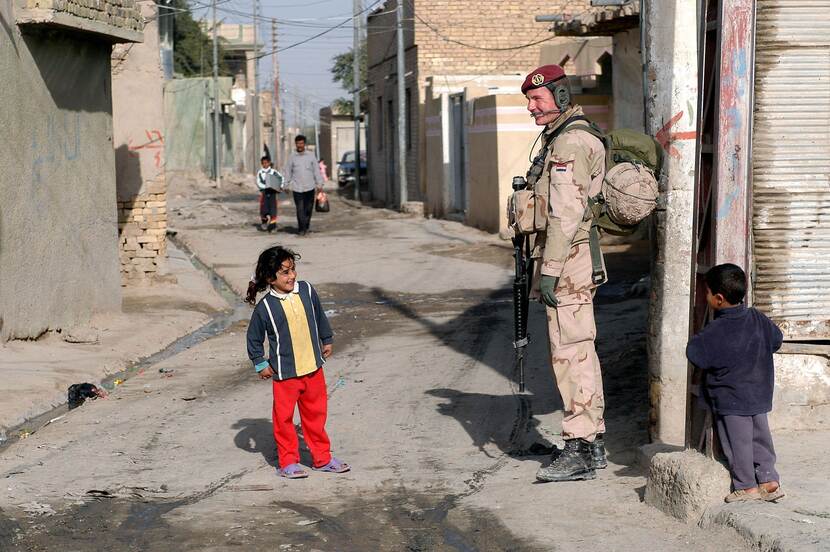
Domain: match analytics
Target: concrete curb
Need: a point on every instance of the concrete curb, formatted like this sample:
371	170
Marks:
690	487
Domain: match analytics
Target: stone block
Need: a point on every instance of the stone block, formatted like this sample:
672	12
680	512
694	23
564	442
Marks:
156	203
148	239
145	253
684	484
156	188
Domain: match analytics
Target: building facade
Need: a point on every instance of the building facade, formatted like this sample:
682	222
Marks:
58	216
138	138
442	38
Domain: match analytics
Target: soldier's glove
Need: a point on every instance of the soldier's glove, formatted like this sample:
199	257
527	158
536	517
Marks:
547	286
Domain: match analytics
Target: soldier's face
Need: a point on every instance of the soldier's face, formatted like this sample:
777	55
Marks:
541	105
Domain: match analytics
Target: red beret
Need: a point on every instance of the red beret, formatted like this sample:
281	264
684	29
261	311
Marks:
541	76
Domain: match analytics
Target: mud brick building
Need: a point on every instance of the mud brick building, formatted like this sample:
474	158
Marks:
138	138
58	230
442	38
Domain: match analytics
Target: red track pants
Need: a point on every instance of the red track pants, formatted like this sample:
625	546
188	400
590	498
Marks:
309	392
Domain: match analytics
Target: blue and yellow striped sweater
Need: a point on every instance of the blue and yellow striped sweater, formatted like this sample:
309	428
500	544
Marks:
296	328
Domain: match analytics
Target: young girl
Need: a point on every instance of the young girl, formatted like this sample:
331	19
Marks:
299	342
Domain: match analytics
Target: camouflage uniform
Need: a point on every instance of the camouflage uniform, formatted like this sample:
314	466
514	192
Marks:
574	169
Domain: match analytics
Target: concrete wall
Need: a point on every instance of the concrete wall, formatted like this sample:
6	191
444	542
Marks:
336	138
500	137
802	388
671	49
627	81
58	232
138	137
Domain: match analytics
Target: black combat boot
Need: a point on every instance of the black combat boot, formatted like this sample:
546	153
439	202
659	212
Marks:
598	453
574	463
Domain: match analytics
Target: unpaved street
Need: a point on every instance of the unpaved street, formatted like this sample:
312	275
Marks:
422	405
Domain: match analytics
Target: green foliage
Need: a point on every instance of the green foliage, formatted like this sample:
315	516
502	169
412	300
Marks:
343	73
343	106
192	46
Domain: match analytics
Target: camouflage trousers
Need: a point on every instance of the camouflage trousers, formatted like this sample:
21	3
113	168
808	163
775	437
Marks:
572	331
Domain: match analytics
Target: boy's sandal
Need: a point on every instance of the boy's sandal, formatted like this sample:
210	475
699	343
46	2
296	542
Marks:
292	471
772	496
334	466
742	496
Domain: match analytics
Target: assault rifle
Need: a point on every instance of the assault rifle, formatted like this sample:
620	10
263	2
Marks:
524	267
521	292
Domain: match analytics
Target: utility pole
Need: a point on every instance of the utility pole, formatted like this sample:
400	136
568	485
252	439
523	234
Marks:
401	108
275	99
217	106
356	96
255	96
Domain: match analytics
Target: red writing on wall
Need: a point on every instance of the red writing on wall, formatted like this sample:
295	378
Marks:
665	136
155	141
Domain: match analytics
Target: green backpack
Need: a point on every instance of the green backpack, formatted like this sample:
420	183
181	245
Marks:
629	189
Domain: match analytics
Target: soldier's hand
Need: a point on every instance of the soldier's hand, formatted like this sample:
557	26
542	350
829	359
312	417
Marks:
547	287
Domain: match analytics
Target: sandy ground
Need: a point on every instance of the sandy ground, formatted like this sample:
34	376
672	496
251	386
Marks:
36	374
422	404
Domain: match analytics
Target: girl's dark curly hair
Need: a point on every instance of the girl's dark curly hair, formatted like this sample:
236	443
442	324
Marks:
267	265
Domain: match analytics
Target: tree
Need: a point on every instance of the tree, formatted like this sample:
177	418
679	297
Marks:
192	46
343	73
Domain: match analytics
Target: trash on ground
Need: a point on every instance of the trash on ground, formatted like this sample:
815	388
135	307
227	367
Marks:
189	398
240	488
37	509
304	522
82	335
78	393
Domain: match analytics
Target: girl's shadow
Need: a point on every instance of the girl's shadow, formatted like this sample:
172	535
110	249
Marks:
257	435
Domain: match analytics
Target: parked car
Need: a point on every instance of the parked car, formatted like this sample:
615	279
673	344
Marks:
346	166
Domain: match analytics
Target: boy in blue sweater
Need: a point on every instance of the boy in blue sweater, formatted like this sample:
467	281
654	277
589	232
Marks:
735	352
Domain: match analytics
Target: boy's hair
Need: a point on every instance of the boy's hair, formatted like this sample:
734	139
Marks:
265	158
728	280
267	265
299	138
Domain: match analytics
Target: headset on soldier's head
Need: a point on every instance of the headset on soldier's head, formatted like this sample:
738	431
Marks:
561	92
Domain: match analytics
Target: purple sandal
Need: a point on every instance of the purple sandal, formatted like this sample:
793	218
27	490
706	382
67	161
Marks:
292	471
334	466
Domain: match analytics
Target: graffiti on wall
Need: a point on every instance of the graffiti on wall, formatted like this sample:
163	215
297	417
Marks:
666	136
154	143
55	143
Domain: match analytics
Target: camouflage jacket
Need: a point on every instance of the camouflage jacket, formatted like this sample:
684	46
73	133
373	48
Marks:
574	169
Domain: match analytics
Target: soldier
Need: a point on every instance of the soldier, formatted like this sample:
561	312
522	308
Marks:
566	274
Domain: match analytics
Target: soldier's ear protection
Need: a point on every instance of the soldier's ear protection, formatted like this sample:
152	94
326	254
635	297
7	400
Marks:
561	93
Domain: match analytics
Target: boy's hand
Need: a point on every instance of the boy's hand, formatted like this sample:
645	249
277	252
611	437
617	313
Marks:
266	374
327	350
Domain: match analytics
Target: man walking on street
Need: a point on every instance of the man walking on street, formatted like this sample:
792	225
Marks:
566	275
302	173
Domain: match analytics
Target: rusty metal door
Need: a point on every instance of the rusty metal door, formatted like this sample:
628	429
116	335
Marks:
791	166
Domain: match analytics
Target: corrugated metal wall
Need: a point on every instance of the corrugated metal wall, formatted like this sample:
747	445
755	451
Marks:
791	166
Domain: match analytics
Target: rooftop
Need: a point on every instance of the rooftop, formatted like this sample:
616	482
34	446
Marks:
599	20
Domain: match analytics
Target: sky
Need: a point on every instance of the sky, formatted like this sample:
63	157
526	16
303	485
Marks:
305	69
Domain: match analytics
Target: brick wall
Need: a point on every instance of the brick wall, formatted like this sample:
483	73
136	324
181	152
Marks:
485	25
124	14
142	230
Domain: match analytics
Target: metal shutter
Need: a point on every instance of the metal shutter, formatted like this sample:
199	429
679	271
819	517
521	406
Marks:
791	166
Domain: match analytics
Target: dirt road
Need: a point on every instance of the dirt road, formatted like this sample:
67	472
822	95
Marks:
422	405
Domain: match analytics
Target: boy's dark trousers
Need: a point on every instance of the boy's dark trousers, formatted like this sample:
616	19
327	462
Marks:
268	205
747	444
305	206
